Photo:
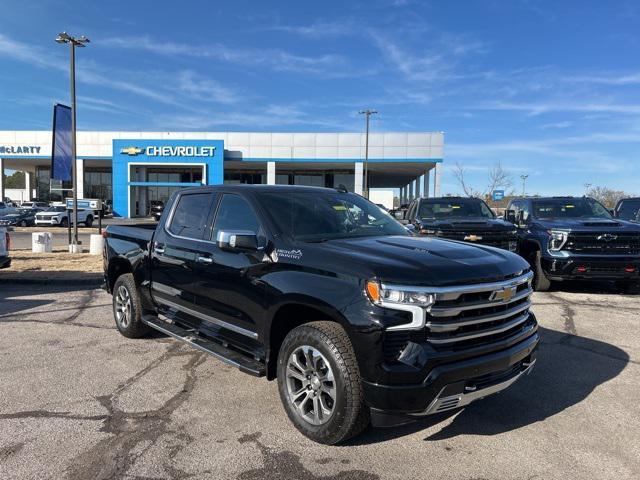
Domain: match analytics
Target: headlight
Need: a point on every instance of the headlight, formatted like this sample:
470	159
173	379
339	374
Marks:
380	294
557	240
427	231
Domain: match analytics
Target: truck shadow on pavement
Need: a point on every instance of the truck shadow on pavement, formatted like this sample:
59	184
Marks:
568	369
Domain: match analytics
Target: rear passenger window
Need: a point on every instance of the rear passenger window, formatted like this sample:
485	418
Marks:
190	215
234	213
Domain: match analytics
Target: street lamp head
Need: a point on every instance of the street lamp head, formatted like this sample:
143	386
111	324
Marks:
63	37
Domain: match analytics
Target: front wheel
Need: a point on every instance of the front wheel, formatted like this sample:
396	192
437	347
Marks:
319	383
540	281
23	223
64	222
89	221
127	308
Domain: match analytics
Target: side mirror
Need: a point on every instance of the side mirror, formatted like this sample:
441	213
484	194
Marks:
410	228
510	216
612	212
237	240
398	215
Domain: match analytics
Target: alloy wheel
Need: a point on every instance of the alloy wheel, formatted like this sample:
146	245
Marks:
311	385
123	307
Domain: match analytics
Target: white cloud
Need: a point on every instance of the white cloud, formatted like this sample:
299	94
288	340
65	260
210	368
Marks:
540	107
274	59
205	89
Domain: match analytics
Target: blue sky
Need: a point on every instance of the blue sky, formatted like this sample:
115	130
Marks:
550	89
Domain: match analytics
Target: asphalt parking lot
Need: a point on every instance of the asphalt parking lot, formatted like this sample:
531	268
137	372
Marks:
79	401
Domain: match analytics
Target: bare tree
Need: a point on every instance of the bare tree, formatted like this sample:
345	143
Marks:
607	196
498	178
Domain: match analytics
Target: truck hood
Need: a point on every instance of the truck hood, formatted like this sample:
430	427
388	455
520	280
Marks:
467	224
414	260
587	225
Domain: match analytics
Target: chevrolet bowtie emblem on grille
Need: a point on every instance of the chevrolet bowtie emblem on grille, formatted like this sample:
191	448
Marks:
133	151
503	295
607	237
472	238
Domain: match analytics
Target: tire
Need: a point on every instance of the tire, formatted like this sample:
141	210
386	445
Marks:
64	222
630	287
127	309
89	221
540	282
23	223
301	388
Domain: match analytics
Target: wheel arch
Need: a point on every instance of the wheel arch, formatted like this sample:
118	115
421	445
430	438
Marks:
291	314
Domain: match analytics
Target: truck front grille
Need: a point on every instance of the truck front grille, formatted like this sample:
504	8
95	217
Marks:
616	243
469	315
499	239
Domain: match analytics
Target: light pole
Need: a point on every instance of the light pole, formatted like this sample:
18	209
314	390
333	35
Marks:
73	42
524	180
367	113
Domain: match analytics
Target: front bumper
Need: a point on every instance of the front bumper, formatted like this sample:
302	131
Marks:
591	268
452	385
47	222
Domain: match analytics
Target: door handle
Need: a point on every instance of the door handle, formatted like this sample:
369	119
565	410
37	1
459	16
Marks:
201	259
158	248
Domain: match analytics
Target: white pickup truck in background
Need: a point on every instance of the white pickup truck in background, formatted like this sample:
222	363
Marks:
5	242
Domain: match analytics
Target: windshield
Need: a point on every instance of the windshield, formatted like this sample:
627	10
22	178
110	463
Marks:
454	208
569	208
56	209
316	217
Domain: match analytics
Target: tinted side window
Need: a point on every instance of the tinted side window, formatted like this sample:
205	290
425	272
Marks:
235	213
190	215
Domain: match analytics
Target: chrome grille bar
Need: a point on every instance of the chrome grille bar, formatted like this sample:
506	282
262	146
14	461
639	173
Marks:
457	309
483	333
454	325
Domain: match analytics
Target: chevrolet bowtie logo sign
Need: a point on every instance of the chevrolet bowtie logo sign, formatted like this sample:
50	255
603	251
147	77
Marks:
607	237
472	238
133	151
504	295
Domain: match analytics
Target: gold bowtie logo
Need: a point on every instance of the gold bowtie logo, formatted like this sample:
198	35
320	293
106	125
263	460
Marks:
504	295
133	151
472	238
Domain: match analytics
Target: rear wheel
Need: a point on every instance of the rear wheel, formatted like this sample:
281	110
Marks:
319	383
540	281
89	221
127	309
630	287
64	222
23	223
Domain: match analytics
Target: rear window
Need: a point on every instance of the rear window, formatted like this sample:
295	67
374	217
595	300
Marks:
190	215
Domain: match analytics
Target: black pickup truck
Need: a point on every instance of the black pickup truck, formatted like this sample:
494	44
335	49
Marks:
576	238
464	219
323	291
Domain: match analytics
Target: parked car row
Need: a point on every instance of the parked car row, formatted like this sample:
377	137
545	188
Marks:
562	238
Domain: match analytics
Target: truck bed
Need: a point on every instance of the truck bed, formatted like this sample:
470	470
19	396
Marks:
141	231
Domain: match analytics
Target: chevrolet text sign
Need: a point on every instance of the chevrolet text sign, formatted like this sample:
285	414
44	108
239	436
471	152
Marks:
170	151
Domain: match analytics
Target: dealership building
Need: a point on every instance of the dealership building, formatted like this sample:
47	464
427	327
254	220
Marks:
132	169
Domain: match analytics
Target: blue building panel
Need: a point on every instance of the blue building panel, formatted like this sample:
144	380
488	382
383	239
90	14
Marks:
128	152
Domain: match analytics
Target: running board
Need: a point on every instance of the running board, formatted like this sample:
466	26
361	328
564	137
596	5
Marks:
231	357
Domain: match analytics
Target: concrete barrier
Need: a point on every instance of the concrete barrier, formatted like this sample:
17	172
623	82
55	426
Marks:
42	242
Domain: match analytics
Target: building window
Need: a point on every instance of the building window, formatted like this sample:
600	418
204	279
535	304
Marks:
98	183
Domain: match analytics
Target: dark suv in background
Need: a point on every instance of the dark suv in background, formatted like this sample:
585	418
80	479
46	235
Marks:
575	238
464	219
